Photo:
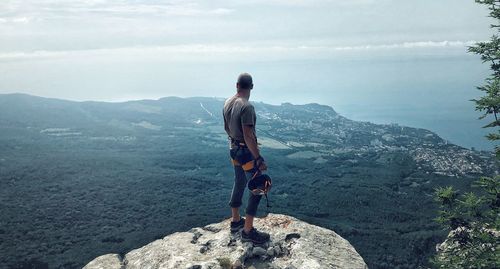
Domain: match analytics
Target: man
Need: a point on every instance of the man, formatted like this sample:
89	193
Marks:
239	123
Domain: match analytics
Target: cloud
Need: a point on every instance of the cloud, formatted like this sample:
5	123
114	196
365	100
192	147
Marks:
57	8
135	10
85	24
21	19
15	20
193	51
411	45
312	3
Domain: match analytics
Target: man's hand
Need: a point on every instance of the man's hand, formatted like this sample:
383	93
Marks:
260	164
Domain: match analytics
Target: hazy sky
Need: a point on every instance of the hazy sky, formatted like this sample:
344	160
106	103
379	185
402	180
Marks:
363	57
206	26
116	50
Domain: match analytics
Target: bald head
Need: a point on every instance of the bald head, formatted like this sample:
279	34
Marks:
244	82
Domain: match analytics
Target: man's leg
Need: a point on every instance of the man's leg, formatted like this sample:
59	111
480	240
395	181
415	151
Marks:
248	223
235	213
251	211
240	181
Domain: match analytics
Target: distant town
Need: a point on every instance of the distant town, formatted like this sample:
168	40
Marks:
320	129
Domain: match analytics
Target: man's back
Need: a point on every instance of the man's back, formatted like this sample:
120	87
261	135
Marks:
239	123
237	112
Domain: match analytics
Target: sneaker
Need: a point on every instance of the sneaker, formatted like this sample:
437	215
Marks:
254	236
236	226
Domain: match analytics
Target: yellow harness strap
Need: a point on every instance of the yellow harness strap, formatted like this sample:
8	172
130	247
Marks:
247	166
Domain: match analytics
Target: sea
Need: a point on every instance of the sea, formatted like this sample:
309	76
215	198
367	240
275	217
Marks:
423	88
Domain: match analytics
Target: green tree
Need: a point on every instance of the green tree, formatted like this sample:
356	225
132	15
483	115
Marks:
489	104
473	217
473	220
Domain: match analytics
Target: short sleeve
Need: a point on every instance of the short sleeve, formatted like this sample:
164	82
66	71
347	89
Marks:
248	115
225	121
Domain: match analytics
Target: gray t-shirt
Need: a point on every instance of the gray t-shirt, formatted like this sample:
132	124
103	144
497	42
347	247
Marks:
238	112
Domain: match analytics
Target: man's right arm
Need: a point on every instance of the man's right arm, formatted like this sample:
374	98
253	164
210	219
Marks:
251	142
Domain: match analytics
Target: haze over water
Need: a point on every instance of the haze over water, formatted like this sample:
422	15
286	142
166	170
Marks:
382	61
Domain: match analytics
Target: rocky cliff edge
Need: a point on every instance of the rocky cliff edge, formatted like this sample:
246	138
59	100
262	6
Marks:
294	244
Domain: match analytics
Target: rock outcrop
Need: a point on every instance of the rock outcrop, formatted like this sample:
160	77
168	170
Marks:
293	244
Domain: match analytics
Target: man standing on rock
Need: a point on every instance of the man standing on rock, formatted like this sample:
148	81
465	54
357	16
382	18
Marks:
239	123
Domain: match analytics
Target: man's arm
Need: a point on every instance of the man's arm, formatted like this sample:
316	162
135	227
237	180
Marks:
251	142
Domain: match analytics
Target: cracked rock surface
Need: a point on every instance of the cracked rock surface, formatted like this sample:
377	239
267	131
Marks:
293	244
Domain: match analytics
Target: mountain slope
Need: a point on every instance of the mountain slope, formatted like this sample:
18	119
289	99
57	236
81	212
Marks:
97	177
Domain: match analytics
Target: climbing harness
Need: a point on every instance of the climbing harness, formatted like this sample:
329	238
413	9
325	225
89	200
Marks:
260	183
